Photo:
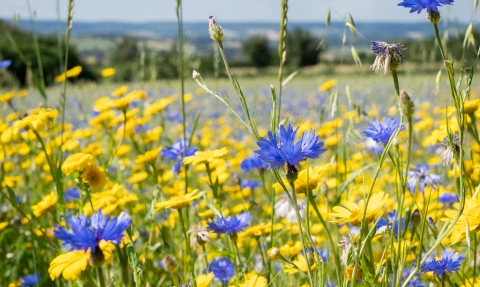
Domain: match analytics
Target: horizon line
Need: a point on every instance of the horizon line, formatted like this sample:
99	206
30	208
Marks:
229	22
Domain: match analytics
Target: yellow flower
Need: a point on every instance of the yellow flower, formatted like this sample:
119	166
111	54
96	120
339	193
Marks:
7	97
470	214
3	225
475	281
288	250
138	177
205	156
204	280
102	104
47	203
312	174
120	91
300	263
328	85
109	199
60	78
123	149
470	106
158	106
258	230
22	93
122	103
253	280
70	265
95	177
179	201
349	272
108	72
149	157
187	97
77	162
353	213
74	72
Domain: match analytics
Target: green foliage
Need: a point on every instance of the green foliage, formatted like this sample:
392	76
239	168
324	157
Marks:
48	51
125	51
257	50
303	48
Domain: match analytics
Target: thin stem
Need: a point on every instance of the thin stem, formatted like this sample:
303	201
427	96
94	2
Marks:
35	44
187	243
439	41
293	199
100	277
395	82
179	11
281	53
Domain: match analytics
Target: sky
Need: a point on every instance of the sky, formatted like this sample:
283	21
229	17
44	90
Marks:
229	10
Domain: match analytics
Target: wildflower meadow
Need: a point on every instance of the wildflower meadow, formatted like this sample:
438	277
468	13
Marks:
371	180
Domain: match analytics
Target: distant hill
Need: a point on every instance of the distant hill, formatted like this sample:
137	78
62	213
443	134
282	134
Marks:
238	31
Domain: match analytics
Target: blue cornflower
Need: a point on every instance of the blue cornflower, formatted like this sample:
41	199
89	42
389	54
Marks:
381	132
448	199
29	280
87	233
5	64
448	263
429	5
414	282
384	225
223	269
72	193
250	183
177	152
253	163
422	175
280	147
230	225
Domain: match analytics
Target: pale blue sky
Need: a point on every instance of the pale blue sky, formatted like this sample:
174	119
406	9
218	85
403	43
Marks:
229	10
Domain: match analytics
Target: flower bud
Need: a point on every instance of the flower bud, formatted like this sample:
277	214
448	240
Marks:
273	253
406	104
447	64
215	30
170	263
433	17
416	218
323	187
196	75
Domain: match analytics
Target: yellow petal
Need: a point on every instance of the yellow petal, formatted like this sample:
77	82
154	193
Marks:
107	249
70	265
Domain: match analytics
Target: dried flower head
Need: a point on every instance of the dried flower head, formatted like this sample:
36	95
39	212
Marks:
388	58
198	235
447	155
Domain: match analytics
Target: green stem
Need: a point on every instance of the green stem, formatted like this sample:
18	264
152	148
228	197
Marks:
100	277
179	11
281	54
189	251
395	82
439	41
333	246
293	199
